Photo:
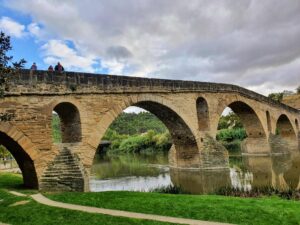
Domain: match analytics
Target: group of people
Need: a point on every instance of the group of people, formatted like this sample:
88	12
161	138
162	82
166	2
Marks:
58	67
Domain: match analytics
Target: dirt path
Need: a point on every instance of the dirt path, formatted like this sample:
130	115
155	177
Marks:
43	200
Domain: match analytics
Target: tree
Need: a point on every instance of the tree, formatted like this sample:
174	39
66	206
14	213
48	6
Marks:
276	96
298	90
7	67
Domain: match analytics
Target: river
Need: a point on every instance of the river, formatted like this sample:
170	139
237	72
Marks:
140	172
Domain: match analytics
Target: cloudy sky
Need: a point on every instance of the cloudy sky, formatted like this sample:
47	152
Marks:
252	43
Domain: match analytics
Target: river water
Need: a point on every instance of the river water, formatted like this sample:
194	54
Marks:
140	172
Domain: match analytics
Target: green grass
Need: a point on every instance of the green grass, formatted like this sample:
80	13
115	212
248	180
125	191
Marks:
268	210
271	210
34	213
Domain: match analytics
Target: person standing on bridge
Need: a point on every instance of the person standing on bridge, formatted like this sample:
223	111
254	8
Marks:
59	67
50	68
33	67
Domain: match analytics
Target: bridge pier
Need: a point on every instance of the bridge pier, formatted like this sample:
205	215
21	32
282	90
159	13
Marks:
64	173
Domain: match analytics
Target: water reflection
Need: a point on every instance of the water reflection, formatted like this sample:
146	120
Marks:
146	172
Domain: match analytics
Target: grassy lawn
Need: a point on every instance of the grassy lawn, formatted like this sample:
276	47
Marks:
34	213
269	210
206	207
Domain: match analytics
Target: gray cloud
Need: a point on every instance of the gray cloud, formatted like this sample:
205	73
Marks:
252	43
118	52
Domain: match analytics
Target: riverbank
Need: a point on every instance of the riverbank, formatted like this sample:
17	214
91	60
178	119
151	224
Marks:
266	210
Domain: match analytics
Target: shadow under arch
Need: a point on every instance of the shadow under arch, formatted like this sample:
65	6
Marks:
25	162
70	122
285	130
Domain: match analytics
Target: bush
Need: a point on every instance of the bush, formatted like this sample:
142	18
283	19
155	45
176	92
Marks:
147	142
231	134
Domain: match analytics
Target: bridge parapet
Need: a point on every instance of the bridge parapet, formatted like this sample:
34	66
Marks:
40	82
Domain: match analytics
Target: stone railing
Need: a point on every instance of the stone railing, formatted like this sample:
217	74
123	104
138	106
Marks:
44	82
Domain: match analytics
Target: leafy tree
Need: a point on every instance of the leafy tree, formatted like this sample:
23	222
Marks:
230	121
298	90
276	96
7	67
4	153
132	123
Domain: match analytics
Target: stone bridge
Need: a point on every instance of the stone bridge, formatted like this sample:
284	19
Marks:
87	104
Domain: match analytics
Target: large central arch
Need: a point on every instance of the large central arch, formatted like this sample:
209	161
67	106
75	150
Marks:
185	148
184	151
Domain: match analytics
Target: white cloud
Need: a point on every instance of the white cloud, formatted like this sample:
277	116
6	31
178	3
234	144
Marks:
250	43
35	30
58	51
11	27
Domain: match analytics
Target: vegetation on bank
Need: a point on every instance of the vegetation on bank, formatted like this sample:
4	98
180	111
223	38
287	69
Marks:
138	143
231	132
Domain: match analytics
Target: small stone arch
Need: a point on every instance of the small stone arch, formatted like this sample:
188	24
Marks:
70	122
285	130
23	151
202	114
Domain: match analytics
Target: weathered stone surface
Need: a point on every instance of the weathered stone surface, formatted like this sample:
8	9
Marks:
87	104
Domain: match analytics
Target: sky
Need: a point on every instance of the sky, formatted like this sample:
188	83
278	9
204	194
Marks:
250	43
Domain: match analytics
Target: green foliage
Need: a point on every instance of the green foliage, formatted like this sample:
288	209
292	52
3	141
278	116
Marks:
230	121
276	96
231	134
56	131
147	142
170	189
4	153
132	123
7	67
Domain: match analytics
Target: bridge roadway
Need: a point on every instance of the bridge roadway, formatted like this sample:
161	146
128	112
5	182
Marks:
88	103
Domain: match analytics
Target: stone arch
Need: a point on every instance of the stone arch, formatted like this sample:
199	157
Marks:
256	141
249	118
202	114
23	151
70	122
285	130
269	125
184	147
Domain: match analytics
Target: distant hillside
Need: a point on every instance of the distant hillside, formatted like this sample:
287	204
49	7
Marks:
292	100
132	123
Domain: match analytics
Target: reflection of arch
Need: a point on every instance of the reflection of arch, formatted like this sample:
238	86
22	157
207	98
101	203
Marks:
202	114
269	121
70	122
285	129
249	119
22	150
